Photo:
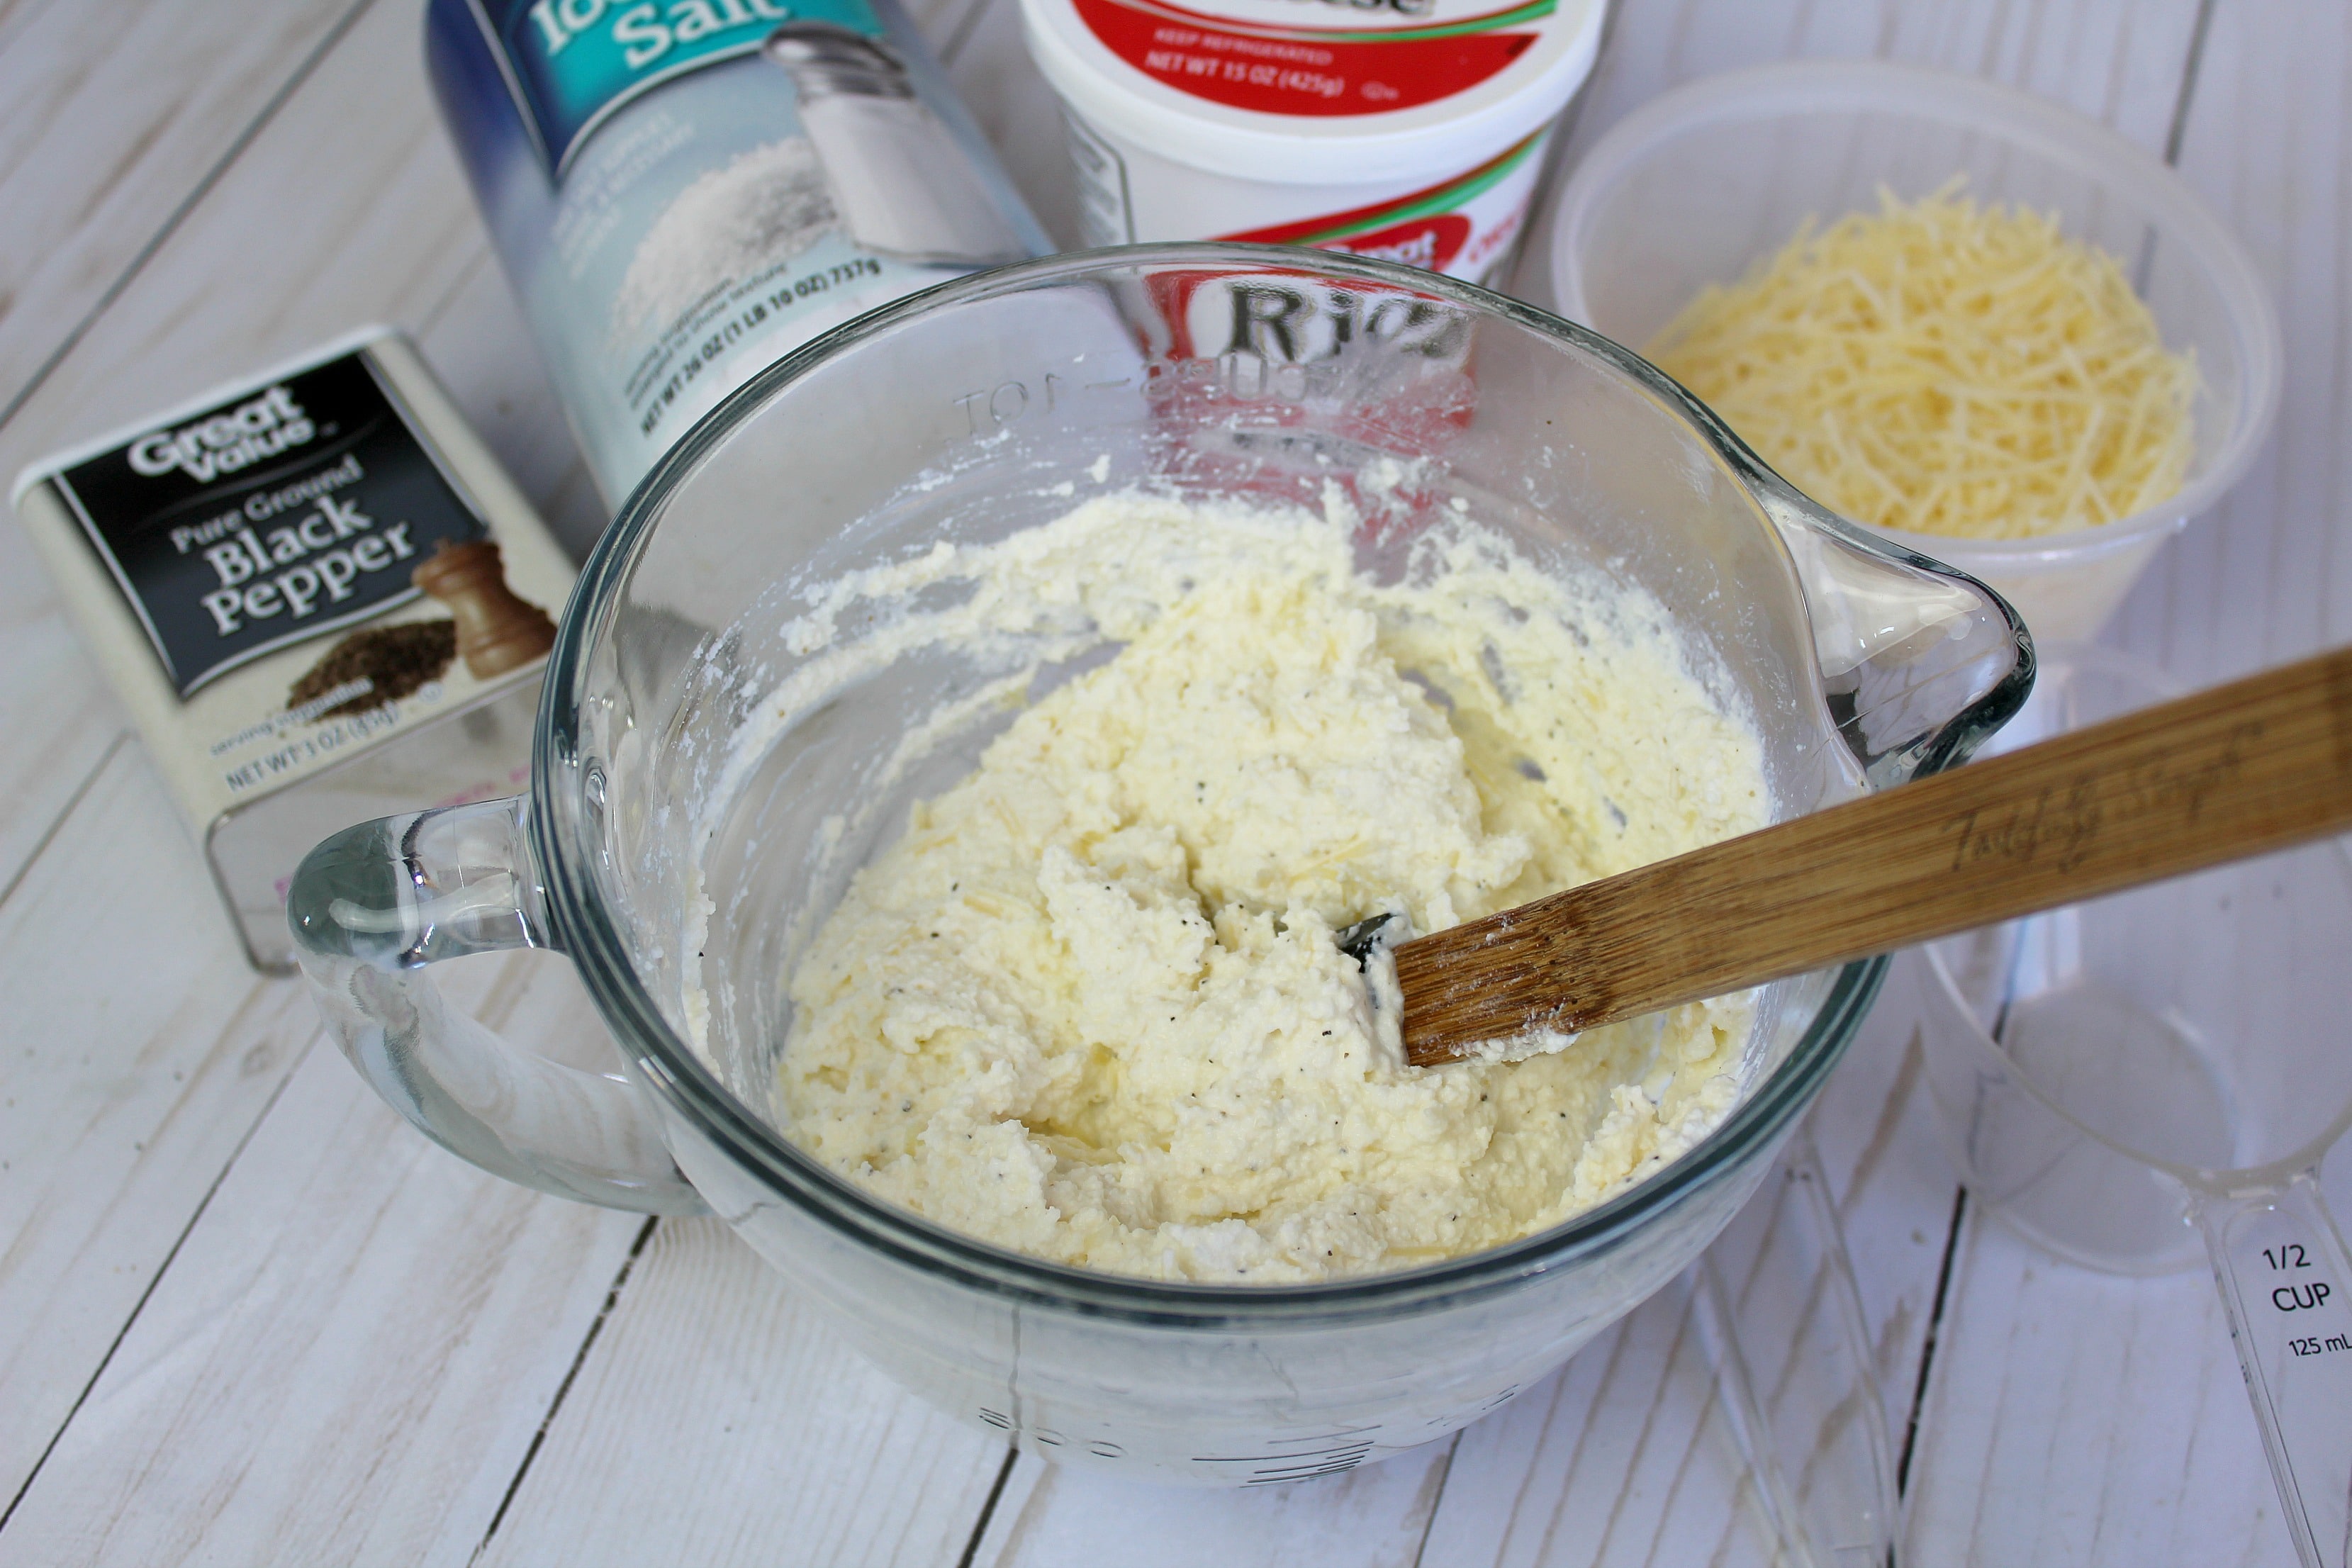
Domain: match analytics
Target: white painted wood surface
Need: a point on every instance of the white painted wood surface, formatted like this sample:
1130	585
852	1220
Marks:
248	1316
709	1360
117	117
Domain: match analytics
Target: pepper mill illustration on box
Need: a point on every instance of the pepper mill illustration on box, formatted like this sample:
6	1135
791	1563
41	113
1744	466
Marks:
496	631
491	629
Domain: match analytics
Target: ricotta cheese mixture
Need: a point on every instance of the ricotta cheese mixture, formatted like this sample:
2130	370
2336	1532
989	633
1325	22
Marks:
1088	1006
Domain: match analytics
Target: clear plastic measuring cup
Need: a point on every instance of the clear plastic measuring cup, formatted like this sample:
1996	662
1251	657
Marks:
2121	1078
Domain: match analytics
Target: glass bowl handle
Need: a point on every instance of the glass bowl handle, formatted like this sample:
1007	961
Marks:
370	908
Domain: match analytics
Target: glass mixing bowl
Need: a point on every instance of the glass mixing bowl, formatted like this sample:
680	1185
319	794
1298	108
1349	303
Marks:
989	405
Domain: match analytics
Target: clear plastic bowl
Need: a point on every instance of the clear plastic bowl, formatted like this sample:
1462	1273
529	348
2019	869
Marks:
1698	183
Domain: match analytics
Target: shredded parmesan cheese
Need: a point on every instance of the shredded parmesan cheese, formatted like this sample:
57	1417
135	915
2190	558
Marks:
1944	367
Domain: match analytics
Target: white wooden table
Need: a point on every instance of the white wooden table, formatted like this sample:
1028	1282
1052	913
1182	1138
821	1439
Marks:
247	1316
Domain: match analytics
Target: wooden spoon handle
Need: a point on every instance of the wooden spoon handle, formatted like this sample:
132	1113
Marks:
2230	773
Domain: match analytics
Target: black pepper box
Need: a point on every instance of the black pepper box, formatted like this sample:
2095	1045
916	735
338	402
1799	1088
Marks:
322	599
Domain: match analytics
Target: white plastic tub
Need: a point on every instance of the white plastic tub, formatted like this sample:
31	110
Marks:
1411	129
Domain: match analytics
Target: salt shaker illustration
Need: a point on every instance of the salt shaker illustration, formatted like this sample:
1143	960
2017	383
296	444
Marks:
901	182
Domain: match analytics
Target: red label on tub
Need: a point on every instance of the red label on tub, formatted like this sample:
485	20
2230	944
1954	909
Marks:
1428	242
1302	70
1421	228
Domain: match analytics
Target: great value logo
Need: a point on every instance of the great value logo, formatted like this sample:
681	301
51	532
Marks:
223	443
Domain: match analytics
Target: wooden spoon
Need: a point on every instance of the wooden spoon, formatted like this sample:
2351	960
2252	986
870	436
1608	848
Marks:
2227	774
